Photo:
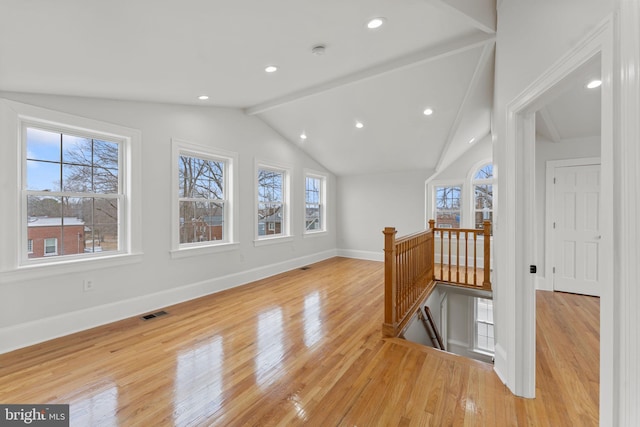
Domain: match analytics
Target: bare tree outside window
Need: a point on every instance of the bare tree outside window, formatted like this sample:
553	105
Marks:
483	195
201	199
313	200
73	192
448	206
270	202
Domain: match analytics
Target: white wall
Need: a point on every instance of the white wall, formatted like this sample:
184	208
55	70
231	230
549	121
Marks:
531	37
369	203
39	308
548	150
459	170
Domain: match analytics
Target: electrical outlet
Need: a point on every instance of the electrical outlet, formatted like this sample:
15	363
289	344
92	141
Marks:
87	285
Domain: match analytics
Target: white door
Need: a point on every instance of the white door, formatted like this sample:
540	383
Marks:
576	229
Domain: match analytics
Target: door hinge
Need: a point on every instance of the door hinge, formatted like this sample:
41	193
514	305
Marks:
554	180
554	225
554	270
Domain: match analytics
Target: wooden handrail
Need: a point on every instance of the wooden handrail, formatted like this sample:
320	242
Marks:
408	274
411	271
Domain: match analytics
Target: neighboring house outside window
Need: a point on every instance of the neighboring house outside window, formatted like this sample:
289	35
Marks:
315	201
203	211
272	202
30	246
72	191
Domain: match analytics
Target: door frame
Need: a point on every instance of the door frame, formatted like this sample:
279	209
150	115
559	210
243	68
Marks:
549	247
517	286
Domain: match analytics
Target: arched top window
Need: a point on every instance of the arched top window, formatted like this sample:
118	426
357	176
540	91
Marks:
482	185
484	172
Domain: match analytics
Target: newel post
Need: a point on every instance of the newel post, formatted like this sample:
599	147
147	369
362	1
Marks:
487	255
390	320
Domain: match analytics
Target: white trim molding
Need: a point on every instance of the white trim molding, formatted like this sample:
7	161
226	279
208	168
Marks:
620	396
22	335
516	286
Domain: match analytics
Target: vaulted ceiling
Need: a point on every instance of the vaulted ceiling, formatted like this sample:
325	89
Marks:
434	54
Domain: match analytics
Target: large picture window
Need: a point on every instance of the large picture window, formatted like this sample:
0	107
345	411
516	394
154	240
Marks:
72	191
447	206
203	210
202	199
272	204
483	195
314	195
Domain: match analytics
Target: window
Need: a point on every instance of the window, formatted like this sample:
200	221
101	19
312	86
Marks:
201	199
447	206
314	196
72	189
272	209
484	341
203	205
51	246
483	195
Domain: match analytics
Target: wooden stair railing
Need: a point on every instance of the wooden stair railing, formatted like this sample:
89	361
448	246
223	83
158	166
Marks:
408	277
411	273
457	250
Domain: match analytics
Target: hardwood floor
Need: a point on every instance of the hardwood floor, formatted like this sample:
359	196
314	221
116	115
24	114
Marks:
301	348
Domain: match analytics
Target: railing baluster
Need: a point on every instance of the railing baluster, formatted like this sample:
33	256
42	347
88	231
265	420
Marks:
410	269
466	258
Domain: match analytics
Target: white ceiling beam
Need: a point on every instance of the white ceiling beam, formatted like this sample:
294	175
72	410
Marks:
420	57
548	122
473	84
480	14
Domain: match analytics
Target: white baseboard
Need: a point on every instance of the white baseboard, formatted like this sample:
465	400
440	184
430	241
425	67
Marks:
366	255
30	333
500	364
542	284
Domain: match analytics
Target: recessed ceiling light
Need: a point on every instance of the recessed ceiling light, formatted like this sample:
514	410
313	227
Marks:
428	111
375	23
594	84
203	97
271	69
359	125
471	140
303	135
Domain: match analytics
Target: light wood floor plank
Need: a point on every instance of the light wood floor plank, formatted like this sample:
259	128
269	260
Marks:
302	348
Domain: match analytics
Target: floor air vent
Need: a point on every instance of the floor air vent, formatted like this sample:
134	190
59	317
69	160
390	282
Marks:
154	315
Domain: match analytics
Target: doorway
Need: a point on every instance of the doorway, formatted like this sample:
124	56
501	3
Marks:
521	129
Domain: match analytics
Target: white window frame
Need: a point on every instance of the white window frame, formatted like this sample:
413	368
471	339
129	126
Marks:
55	246
285	229
470	221
179	148
432	205
19	266
323	203
476	321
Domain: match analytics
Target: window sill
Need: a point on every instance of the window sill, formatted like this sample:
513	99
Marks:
320	233
189	251
272	240
48	269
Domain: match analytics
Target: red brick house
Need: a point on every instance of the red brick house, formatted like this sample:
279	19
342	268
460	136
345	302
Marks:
47	236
